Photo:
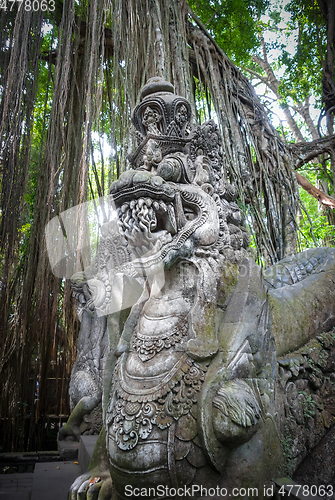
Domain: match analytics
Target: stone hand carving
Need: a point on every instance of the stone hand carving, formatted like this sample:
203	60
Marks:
236	413
188	394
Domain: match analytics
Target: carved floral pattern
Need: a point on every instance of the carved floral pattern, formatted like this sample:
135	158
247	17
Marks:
132	417
181	115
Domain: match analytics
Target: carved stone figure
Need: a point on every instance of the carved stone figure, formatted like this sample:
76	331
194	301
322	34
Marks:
188	393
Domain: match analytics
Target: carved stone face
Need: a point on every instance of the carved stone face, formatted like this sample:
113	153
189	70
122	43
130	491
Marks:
163	221
150	119
176	203
153	155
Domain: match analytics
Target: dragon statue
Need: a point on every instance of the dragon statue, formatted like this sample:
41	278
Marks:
180	329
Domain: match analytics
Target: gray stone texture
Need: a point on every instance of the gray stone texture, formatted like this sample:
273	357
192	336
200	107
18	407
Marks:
306	406
187	379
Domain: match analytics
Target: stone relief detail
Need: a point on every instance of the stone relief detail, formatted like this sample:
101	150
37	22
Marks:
181	116
190	392
151	118
148	346
237	401
307	405
92	290
289	271
131	416
92	422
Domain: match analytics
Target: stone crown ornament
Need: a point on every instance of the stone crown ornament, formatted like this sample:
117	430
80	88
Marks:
161	116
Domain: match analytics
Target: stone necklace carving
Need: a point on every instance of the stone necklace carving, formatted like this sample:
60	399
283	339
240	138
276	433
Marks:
132	414
147	346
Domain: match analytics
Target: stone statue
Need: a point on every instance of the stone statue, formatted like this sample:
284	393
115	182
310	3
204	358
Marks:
188	383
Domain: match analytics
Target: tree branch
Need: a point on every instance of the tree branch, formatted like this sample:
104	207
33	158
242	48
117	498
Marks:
325	200
256	75
273	85
304	152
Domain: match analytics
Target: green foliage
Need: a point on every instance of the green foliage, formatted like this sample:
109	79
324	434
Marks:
308	405
303	73
232	23
294	39
321	232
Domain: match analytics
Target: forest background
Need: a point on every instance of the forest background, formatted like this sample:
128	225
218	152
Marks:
71	72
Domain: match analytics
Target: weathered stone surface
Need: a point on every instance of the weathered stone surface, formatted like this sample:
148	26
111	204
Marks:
318	467
308	306
196	456
307	403
189	374
68	450
182	449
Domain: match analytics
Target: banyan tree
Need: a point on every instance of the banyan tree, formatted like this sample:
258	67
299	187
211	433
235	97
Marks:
71	72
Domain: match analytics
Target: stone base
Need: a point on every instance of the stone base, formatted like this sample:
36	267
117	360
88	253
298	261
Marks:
68	450
86	447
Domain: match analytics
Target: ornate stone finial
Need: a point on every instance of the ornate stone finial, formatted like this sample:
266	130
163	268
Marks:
156	84
162	117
